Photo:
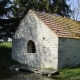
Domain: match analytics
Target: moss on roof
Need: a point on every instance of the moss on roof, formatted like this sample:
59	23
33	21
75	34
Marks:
63	27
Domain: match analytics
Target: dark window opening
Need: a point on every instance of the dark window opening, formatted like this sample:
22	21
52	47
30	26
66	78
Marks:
31	47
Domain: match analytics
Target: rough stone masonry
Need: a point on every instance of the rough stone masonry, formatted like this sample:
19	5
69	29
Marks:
35	44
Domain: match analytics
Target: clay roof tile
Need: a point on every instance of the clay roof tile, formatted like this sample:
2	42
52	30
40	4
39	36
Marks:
63	27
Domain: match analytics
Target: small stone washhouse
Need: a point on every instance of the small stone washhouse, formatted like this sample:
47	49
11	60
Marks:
43	40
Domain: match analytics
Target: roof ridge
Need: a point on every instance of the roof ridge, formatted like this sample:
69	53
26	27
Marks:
54	15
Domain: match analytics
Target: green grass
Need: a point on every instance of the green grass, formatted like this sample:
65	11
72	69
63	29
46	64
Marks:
6	44
69	74
5	54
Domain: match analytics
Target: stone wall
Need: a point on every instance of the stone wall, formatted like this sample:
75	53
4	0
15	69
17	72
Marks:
69	52
45	40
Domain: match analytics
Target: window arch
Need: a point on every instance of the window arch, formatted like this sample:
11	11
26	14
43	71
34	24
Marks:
31	47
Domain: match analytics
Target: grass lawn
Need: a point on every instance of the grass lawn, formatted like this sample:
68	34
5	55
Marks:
6	44
5	54
69	74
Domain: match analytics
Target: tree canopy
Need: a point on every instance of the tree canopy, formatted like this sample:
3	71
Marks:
13	11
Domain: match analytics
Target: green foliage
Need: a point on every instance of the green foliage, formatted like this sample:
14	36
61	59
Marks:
56	6
4	10
60	7
69	74
5	54
15	11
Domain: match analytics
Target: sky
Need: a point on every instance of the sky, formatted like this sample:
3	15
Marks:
73	3
75	7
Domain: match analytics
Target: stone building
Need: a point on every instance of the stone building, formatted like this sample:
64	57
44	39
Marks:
43	40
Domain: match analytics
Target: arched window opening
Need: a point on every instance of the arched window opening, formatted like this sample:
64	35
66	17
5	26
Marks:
31	47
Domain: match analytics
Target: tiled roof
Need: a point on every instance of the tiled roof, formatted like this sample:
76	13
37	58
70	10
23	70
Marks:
63	27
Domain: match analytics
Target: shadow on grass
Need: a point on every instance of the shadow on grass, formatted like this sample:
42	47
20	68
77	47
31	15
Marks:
5	57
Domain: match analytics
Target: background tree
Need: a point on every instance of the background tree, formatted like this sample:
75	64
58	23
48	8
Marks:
12	12
3	14
52	6
7	21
